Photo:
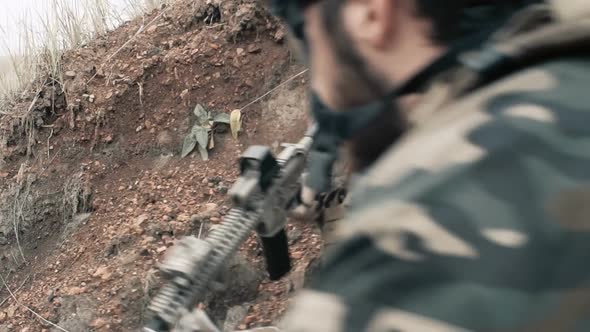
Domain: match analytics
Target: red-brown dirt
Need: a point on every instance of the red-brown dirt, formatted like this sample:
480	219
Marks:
107	188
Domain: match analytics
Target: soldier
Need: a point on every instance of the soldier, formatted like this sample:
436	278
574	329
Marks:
470	121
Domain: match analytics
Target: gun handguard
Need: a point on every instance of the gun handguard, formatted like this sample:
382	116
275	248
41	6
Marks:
263	195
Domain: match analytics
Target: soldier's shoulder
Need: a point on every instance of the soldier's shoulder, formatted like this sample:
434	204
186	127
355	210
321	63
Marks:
500	160
500	118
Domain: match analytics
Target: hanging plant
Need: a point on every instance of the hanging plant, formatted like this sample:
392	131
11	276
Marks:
201	134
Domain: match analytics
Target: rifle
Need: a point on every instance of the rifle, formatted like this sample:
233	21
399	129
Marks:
264	193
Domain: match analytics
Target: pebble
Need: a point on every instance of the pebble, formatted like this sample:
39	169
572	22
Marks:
210	207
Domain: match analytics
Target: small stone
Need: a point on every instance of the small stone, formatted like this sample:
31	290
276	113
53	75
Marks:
152	29
11	310
109	95
249	320
139	128
3	316
297	255
183	217
99	323
141	219
102	273
70	74
161	249
210	207
75	290
254	49
279	36
91	98
165	139
240	51
295	235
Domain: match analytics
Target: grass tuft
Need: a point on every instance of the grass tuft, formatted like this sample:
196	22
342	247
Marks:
35	61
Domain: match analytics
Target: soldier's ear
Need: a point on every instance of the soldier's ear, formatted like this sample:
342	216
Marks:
371	22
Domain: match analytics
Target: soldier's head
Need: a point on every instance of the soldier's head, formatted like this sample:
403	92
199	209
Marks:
359	50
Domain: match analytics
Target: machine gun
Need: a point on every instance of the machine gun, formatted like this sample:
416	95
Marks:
266	190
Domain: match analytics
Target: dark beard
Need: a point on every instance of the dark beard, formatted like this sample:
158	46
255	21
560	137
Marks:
370	143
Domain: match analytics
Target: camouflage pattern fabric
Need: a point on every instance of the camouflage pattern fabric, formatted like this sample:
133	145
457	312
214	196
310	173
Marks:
479	219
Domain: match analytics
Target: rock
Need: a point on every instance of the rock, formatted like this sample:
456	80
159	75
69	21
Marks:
240	51
165	141
215	180
223	189
235	316
294	235
26	329
99	323
103	273
11	310
279	36
81	218
184	95
3	316
183	217
70	74
296	255
75	290
76	313
254	49
210	207
141	219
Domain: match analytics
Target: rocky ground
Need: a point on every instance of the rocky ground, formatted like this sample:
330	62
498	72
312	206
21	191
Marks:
93	182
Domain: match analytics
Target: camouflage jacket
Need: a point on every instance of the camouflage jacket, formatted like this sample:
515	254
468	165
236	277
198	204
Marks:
479	218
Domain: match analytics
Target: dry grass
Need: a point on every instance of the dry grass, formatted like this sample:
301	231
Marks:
35	61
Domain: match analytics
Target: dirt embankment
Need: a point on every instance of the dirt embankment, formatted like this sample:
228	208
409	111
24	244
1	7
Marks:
93	183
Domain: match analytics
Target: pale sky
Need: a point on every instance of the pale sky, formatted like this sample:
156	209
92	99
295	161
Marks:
13	12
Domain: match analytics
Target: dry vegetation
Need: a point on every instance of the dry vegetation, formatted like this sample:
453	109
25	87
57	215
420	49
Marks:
44	37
